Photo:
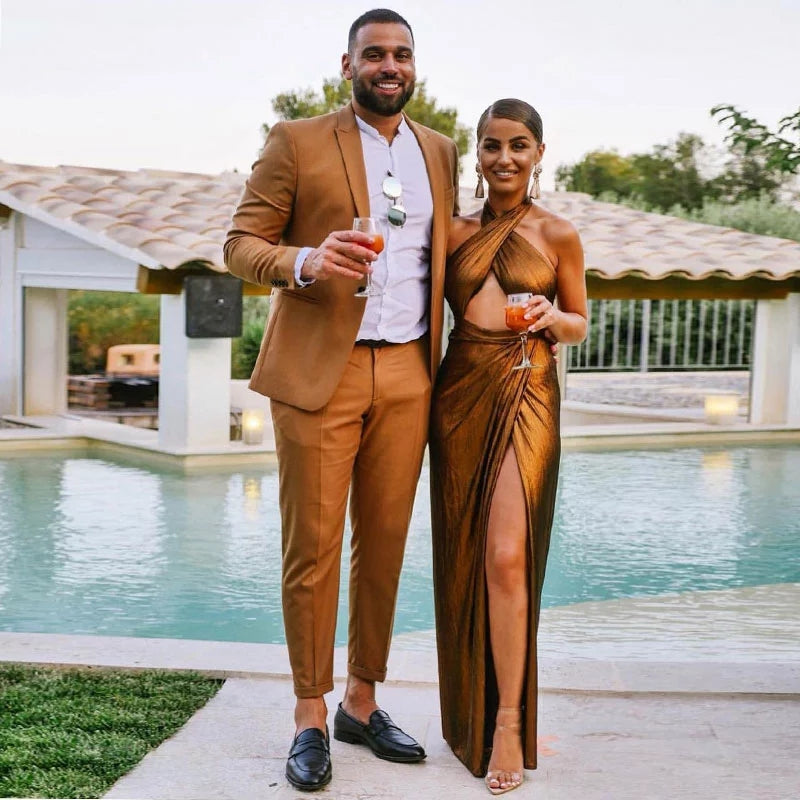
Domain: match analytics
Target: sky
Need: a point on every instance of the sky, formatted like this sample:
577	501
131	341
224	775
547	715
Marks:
186	84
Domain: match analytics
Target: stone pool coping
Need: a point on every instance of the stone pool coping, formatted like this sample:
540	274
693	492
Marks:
71	432
744	640
246	660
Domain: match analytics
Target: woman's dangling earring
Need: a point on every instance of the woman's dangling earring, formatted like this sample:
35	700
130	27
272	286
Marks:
479	193
536	192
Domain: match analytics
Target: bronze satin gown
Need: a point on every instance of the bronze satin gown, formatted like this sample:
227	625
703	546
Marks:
480	407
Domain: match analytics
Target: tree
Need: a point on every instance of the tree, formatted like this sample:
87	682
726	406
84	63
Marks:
422	108
598	172
747	176
675	174
779	152
668	175
304	103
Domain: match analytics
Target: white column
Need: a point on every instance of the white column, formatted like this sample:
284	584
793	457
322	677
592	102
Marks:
45	351
793	382
775	376
194	385
10	319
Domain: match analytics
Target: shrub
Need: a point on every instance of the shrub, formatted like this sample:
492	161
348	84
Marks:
98	320
246	347
757	215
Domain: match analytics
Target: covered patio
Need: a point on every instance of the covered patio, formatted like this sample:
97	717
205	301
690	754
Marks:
68	228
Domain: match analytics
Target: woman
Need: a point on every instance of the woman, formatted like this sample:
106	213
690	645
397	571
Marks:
495	449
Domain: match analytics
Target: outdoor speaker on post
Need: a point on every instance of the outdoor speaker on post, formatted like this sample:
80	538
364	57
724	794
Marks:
213	306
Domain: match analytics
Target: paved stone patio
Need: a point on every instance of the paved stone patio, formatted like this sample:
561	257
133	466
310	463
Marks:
685	390
592	746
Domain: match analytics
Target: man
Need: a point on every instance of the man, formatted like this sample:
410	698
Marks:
349	379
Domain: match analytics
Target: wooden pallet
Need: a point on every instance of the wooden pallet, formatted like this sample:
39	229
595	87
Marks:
89	391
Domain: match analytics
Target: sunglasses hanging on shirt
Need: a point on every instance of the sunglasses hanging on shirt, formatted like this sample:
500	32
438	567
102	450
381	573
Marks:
393	192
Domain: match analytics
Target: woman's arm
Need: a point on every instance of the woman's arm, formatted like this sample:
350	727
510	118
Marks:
567	322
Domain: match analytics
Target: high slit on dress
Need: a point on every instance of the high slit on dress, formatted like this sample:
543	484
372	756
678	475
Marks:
481	406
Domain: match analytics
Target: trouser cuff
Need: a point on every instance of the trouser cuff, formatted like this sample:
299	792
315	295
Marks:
367	674
305	692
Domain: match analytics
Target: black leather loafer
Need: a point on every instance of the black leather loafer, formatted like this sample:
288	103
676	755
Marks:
380	734
309	764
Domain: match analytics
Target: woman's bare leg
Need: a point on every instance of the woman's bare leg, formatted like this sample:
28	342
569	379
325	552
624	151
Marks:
507	584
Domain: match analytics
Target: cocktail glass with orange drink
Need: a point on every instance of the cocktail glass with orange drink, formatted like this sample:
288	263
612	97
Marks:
372	227
516	306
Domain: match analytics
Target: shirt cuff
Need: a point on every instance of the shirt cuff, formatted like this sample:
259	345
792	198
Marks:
298	265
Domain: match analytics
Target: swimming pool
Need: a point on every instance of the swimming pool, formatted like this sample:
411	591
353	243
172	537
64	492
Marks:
101	545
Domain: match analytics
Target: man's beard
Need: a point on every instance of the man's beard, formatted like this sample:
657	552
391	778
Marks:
385	106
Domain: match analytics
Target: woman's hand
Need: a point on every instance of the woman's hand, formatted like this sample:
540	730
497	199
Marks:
556	324
543	313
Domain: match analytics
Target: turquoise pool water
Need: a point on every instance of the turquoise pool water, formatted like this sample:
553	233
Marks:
102	546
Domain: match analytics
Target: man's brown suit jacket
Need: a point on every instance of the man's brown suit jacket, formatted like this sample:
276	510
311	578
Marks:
310	180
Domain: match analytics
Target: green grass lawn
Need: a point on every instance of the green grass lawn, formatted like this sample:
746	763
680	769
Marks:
72	733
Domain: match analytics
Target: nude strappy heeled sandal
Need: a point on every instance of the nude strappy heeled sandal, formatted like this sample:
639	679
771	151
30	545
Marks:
514	779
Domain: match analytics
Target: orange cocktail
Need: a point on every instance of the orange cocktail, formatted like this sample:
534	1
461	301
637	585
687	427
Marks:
372	227
516	306
515	319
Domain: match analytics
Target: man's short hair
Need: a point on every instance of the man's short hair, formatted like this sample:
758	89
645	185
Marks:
383	15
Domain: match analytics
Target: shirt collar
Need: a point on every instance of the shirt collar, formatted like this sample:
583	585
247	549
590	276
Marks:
366	128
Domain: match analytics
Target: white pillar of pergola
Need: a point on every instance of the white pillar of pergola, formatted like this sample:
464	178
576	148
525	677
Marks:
33	319
45	351
10	317
775	376
194	393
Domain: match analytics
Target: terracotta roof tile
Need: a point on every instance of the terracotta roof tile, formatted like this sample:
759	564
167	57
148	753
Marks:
93	220
174	218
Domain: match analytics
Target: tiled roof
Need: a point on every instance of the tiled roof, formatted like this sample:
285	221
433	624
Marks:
156	218
170	219
622	241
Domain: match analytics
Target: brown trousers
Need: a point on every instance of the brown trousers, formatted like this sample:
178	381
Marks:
369	439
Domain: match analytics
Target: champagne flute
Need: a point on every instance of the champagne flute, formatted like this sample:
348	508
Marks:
516	306
372	227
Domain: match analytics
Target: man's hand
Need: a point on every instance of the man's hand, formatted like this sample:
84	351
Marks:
343	253
553	342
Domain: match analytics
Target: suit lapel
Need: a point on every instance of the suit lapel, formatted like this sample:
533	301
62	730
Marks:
349	139
437	180
440	180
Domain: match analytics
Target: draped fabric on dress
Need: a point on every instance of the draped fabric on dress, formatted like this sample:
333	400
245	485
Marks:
481	406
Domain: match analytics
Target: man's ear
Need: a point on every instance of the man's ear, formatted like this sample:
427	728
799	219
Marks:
347	73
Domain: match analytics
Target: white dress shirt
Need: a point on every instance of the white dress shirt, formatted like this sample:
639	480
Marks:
402	270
